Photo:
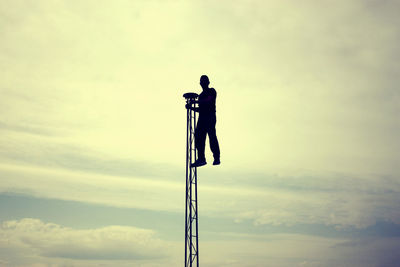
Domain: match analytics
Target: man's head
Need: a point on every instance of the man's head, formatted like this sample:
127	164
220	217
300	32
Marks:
204	81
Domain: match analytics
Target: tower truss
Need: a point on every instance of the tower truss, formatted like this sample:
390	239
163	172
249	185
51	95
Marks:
191	211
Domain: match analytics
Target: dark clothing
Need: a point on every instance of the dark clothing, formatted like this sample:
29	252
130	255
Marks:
206	124
207	108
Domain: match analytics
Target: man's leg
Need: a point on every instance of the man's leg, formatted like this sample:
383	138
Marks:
200	139
213	140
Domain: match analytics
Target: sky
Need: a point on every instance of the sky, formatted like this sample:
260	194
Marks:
92	132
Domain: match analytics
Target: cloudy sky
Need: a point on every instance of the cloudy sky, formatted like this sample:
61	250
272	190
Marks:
92	132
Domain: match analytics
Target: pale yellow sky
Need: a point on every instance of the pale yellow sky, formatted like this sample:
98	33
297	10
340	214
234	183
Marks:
296	89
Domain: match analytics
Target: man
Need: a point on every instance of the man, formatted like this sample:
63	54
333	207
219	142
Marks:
206	123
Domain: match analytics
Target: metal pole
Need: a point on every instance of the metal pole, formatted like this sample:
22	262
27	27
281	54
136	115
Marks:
186	195
190	191
197	214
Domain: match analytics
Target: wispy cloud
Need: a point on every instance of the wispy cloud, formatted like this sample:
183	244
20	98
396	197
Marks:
55	154
31	239
276	205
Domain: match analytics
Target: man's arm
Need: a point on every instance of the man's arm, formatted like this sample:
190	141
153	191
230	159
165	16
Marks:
209	98
205	100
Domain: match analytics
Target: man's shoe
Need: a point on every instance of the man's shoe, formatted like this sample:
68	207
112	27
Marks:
216	162
198	163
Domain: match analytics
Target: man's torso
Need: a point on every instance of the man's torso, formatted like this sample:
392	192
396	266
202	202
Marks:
207	108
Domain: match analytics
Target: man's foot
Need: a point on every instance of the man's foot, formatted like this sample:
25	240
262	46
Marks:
198	163
216	162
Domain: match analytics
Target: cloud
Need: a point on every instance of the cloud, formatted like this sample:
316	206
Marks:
263	199
32	242
285	250
370	251
29	238
36	151
135	192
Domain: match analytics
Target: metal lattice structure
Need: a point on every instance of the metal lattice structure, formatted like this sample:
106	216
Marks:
191	214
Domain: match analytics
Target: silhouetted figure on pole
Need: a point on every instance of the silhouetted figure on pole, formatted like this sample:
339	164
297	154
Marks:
206	123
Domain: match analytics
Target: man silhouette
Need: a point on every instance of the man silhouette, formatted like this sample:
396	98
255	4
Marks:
206	123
